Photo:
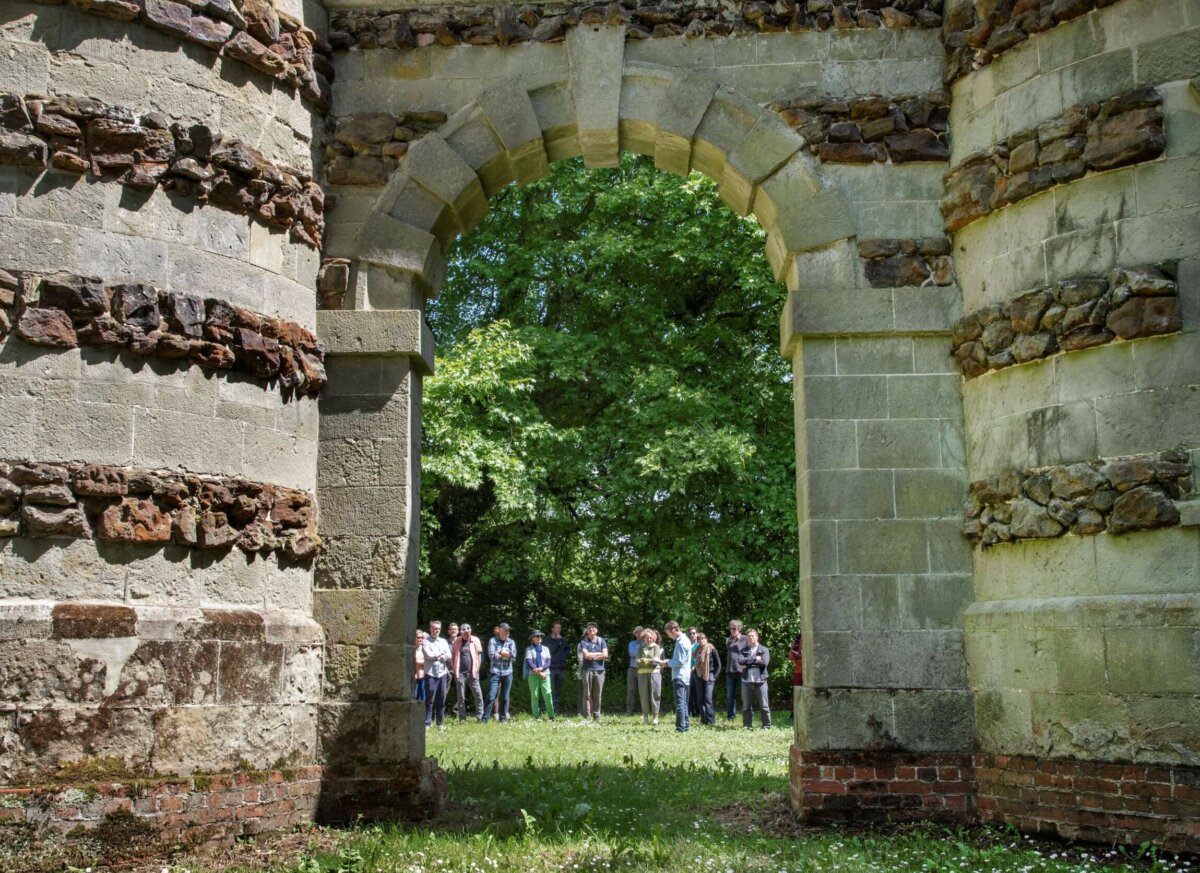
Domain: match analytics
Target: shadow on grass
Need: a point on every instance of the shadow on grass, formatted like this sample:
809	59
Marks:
637	799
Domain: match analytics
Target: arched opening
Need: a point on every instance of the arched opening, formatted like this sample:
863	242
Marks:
892	674
608	435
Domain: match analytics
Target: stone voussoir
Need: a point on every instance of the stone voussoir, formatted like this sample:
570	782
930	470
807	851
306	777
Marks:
63	310
81	136
1114	495
1072	314
156	507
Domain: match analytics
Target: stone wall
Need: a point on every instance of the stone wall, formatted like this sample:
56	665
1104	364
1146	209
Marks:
871	129
254	33
1118	495
1061	162
155	507
140	690
84	135
157	383
1123	130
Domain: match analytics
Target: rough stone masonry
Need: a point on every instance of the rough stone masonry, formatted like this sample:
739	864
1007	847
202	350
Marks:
985	220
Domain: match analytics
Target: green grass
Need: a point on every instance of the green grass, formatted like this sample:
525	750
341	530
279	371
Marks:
619	796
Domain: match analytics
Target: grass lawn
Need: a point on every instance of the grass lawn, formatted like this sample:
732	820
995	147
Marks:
620	795
623	796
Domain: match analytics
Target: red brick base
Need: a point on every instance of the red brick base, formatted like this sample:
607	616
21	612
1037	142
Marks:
882	786
218	809
1092	801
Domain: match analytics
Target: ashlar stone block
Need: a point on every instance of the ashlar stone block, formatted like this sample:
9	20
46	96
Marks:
398	246
642	91
596	56
729	118
764	149
435	166
470	133
509	111
683	107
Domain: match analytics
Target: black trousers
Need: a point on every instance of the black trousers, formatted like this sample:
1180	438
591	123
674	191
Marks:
558	675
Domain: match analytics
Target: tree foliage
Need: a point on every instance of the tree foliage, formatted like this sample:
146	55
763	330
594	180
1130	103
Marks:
609	433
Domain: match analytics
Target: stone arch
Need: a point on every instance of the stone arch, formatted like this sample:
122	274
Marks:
512	133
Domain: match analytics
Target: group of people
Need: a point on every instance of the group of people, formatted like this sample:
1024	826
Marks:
694	666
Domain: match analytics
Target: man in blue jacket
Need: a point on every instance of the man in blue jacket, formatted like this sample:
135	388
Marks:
681	673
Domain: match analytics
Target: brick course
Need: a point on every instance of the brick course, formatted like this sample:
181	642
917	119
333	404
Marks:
1094	801
1090	801
882	786
217	809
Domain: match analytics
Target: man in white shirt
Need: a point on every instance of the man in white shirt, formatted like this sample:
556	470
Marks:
681	673
437	674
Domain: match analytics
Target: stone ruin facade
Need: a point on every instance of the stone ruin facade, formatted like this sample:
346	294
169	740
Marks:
220	223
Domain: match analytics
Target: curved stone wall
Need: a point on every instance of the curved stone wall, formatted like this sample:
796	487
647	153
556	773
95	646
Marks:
148	655
1084	621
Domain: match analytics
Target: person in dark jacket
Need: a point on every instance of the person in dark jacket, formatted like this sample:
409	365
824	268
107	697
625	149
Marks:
755	660
559	649
733	668
708	668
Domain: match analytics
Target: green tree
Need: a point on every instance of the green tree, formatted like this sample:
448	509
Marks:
609	433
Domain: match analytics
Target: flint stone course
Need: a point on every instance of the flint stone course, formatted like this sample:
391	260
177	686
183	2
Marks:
899	263
64	311
868	130
692	19
365	149
156	507
1117	495
1117	132
81	136
253	32
975	34
1073	314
